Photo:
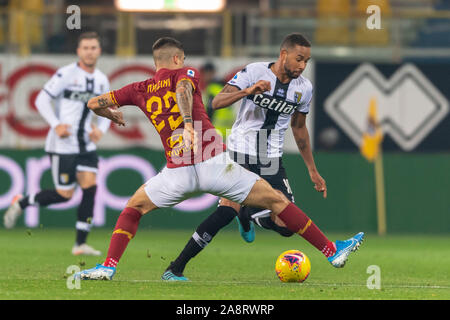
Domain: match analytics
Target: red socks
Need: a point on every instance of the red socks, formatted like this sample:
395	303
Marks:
126	228
294	218
298	222
329	250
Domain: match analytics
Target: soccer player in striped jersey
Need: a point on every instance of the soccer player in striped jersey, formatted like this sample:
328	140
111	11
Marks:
71	139
256	142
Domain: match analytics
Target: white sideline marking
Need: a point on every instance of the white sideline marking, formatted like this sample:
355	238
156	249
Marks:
412	286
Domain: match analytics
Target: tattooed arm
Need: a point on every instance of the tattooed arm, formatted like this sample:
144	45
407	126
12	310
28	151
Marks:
301	136
230	94
184	96
105	107
185	100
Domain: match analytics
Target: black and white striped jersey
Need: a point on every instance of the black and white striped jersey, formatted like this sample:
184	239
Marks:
262	119
70	89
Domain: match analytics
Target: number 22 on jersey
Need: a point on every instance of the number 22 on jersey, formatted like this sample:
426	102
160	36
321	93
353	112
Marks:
155	100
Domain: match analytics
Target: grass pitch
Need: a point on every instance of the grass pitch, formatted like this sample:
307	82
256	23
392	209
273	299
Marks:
34	263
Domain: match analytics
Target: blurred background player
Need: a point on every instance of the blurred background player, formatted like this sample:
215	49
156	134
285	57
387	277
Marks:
71	139
221	119
257	138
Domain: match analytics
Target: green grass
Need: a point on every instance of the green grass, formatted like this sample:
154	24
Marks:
33	265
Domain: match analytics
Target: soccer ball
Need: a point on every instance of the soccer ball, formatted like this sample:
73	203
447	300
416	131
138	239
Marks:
293	266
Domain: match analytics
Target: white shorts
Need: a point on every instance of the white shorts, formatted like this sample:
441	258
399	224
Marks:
219	175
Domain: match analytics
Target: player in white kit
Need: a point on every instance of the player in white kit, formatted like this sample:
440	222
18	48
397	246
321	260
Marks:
256	143
71	139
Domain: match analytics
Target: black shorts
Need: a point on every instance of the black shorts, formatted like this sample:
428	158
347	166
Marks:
272	171
65	166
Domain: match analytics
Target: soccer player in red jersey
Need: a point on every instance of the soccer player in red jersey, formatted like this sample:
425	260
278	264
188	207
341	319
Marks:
196	161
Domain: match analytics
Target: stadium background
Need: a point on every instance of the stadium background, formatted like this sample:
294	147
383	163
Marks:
35	41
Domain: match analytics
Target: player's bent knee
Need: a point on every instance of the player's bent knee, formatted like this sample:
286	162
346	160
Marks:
263	195
142	206
277	201
281	194
141	202
278	197
285	233
86	179
228	203
67	194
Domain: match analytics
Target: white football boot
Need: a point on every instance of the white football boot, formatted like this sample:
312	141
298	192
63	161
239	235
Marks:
99	272
13	212
85	250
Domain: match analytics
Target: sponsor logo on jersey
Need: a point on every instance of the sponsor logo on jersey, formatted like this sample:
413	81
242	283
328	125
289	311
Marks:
176	143
79	95
190	73
271	103
175	140
280	92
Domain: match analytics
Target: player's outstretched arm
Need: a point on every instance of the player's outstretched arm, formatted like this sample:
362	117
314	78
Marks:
104	106
230	94
101	102
301	136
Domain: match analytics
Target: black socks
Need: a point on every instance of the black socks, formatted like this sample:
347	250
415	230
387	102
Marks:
85	212
203	236
43	198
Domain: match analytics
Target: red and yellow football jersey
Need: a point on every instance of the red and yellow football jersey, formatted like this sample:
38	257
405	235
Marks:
157	99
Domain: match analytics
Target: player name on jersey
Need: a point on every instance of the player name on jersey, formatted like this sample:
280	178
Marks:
158	85
272	103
